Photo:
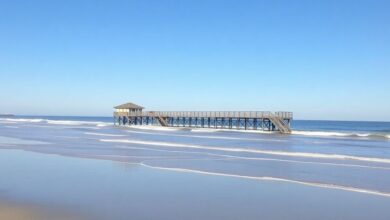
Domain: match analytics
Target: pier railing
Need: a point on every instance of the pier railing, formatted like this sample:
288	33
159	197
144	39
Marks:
208	114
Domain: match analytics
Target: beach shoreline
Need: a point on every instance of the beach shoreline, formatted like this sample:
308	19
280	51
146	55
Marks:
87	168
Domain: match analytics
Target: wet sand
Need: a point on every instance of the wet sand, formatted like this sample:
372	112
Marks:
102	189
11	211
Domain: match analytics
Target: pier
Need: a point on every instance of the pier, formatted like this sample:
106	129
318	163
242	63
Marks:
132	114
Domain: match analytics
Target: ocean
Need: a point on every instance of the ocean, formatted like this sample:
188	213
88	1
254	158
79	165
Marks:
302	127
323	170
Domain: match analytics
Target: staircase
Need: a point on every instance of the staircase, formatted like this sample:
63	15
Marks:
162	121
279	123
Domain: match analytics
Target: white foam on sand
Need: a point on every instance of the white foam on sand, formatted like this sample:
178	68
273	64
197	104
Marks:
102	134
266	178
248	150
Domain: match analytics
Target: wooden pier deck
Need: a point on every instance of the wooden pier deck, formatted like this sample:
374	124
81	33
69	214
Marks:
246	120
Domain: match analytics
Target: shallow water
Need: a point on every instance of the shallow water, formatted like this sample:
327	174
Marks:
297	169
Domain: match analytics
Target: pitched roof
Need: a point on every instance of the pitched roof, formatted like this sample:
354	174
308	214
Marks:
128	105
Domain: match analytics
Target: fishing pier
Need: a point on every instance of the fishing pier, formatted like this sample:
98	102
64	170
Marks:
132	114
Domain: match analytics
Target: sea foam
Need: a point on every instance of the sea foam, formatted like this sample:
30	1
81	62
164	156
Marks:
55	122
103	134
320	133
22	120
340	134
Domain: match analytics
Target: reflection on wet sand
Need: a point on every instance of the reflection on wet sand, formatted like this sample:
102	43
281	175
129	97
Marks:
10	211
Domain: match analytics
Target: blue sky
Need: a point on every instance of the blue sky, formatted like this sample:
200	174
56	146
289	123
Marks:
319	59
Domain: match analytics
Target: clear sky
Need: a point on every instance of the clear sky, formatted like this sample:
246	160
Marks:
319	59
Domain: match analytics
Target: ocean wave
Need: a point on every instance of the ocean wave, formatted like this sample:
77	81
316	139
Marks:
339	134
55	122
66	122
294	132
58	122
248	150
268	178
197	130
242	130
22	120
320	133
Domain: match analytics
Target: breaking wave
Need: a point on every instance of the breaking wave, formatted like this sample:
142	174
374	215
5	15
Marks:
341	134
294	132
55	122
22	120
